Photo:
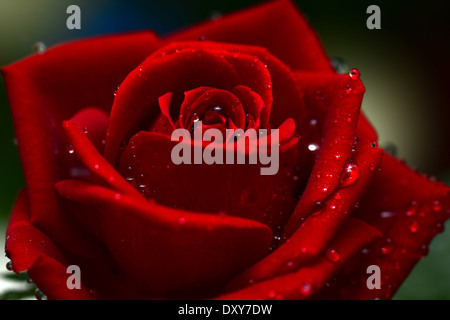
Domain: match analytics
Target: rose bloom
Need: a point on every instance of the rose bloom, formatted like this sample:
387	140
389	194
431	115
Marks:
94	118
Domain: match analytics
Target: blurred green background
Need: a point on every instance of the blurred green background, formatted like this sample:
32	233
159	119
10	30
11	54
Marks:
404	67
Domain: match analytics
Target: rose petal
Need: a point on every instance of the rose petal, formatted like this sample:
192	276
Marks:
307	281
165	250
30	249
93	160
276	25
315	232
339	127
155	77
410	210
47	88
278	87
238	190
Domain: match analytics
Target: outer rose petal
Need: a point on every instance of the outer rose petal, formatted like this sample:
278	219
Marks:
307	281
277	26
30	249
410	210
167	251
312	237
341	97
47	88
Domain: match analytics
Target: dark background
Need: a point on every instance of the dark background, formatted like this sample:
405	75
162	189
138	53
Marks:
404	67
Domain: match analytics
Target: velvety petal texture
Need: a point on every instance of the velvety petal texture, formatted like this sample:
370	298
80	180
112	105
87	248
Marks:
96	120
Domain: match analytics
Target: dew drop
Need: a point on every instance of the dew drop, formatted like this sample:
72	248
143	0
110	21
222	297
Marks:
332	207
9	266
39	47
313	147
313	122
354	74
372	167
337	156
96	166
306	289
387	214
374	144
414	226
271	294
412	208
40	295
351	174
202	38
333	255
117	196
436	206
29	280
388	247
70	149
236	53
338	196
182	220
85	130
117	90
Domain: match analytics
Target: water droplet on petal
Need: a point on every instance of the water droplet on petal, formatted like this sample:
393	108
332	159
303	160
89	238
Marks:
374	144
351	174
182	220
9	266
388	247
337	156
201	38
333	255
313	122
117	196
306	289
372	167
387	214
70	149
313	147
354	74
437	206
412	208
414	226
236	53
338	196
271	294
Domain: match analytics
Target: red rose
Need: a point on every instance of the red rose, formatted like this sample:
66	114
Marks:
103	194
